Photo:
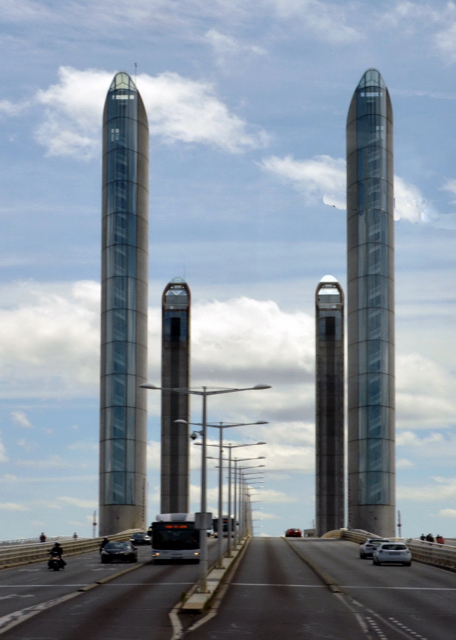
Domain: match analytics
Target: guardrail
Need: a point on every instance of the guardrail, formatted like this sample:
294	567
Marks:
35	540
440	555
13	556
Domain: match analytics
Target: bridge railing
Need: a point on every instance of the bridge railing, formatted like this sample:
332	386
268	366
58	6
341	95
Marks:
441	555
15	555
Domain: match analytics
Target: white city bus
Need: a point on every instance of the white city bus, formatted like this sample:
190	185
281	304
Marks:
174	537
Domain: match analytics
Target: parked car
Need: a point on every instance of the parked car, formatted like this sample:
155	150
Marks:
293	533
140	537
121	551
396	552
367	548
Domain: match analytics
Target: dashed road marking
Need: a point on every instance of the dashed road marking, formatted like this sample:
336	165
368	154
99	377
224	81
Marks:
405	628
271	584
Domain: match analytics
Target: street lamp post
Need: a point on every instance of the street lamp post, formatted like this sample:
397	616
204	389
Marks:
230	447
237	503
243	513
221	426
204	392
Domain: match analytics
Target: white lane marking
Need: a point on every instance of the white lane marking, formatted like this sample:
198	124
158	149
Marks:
271	584
16	595
376	628
85	584
343	586
15	618
29	570
403	626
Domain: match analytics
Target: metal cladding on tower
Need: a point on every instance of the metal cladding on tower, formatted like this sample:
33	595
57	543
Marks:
175	454
330	494
370	239
123	404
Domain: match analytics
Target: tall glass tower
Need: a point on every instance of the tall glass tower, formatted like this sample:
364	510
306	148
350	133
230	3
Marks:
329	405
123	408
370	239
175	454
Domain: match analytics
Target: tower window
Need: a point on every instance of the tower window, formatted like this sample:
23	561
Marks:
330	326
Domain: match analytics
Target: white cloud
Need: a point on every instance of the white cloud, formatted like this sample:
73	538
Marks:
272	495
425	393
450	185
448	513
178	108
324	20
20	419
12	109
12	506
445	42
403	463
83	446
49	347
410	204
77	502
53	462
3	456
437	491
49	344
226	47
269	516
323	178
231	337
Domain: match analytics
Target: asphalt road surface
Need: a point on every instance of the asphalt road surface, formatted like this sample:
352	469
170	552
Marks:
134	606
419	600
272	593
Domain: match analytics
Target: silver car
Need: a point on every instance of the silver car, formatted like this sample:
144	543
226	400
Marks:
367	548
396	552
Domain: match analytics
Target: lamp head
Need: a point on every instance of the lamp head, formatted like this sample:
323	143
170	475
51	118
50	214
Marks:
262	386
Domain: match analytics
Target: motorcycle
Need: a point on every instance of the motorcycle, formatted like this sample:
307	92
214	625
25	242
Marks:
55	562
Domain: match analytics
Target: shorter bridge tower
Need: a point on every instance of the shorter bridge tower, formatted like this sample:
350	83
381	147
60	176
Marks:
330	495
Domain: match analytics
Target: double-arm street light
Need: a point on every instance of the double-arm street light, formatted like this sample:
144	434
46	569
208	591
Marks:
230	519
221	426
243	513
204	392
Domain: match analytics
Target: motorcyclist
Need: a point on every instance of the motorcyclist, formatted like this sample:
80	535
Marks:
103	543
57	551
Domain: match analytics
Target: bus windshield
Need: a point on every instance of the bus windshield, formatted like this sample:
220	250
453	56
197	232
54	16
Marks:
175	539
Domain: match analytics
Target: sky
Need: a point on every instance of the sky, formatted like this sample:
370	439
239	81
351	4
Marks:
247	104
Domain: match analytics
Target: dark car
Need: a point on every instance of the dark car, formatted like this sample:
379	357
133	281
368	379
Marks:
119	551
140	537
293	533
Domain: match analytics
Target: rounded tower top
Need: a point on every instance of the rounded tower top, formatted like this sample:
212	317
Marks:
122	81
328	278
371	78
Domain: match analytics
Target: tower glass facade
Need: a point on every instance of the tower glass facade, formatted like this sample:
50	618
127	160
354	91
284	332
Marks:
329	440
370	236
123	409
175	454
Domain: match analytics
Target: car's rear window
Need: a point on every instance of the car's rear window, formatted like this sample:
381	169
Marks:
117	545
394	547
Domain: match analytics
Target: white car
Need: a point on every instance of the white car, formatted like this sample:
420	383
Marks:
396	552
367	548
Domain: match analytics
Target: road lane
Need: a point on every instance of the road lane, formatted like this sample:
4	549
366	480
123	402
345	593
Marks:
274	594
134	606
34	584
419	599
